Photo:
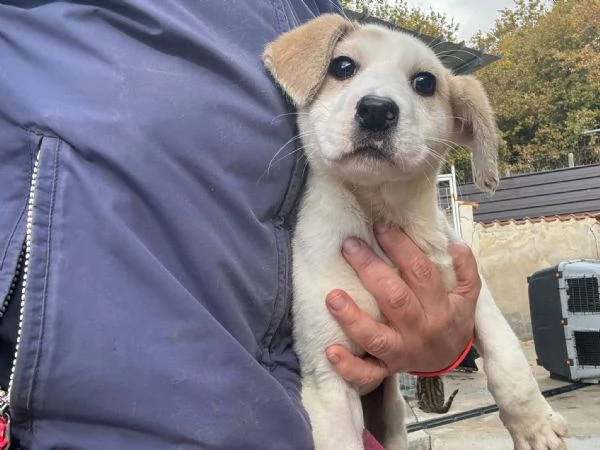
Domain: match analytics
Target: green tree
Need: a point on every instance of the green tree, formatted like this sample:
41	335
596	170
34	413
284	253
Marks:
546	87
399	13
524	15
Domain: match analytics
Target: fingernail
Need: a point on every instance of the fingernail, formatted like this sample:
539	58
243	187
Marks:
381	226
351	245
337	303
332	357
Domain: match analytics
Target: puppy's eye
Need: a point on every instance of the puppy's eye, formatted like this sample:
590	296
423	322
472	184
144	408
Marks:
342	68
424	84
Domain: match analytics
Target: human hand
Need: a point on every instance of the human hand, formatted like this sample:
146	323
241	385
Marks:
428	328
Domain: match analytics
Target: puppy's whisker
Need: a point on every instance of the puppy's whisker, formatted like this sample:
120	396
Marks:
453	117
448	140
433	150
425	174
274	159
462	60
287	155
441	140
448	143
303	150
437	156
301	135
289	114
432	47
456	51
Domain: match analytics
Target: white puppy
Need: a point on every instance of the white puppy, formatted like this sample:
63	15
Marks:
376	108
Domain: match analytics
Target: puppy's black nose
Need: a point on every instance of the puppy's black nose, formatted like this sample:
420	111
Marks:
375	113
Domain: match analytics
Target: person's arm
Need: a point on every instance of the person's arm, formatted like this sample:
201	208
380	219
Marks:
429	327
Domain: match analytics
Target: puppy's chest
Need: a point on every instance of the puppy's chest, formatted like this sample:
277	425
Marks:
330	214
425	226
434	243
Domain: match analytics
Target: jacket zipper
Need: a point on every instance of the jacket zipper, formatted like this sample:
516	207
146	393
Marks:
24	266
13	289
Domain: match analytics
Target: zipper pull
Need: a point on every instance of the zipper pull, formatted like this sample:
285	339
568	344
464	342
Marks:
4	421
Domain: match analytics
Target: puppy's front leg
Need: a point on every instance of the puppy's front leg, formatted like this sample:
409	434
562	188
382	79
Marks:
532	423
394	410
334	408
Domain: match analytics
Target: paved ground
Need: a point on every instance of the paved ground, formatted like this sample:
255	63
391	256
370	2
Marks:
581	408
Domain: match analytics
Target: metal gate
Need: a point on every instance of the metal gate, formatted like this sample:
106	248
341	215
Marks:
448	198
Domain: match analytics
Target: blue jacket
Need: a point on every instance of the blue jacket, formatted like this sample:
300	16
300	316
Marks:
156	306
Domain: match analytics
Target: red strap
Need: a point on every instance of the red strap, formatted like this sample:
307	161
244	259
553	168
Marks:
451	367
3	432
370	443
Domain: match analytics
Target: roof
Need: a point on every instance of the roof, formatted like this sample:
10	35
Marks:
544	194
555	218
456	56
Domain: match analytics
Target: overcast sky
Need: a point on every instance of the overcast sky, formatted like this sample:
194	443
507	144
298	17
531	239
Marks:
472	15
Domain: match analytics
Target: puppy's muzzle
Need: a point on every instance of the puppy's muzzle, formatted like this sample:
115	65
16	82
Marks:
376	114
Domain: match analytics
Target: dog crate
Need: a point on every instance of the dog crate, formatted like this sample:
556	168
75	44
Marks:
564	301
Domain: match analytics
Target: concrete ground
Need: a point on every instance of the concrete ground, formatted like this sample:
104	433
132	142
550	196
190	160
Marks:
581	409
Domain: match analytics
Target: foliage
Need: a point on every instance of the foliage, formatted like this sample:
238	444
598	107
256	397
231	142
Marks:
546	87
400	14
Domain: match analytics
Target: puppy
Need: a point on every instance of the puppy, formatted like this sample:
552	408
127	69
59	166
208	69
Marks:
377	110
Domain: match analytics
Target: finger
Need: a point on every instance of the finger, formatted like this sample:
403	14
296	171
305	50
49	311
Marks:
465	294
375	338
395	298
417	270
465	268
360	371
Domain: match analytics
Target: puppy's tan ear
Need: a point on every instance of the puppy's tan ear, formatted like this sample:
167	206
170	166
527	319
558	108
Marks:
475	127
299	59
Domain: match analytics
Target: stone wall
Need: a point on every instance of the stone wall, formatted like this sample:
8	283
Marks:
508	252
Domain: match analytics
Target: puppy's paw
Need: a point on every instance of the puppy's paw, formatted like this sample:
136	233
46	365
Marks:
539	428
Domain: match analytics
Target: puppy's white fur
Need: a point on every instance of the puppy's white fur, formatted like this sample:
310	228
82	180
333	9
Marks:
347	192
